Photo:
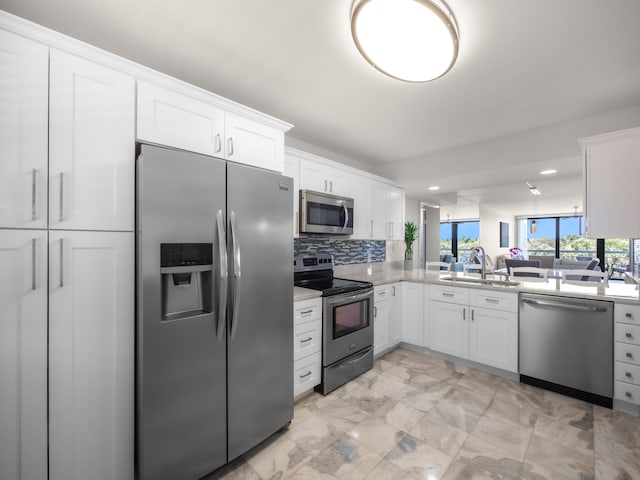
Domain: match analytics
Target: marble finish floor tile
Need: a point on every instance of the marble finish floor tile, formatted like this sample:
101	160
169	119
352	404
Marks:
416	417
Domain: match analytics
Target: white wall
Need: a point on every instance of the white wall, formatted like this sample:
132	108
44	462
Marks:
490	219
433	234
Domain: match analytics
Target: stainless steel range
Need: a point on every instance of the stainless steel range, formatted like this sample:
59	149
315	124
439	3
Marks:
347	320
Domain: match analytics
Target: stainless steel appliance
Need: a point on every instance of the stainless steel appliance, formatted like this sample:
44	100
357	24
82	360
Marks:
325	213
566	345
215	311
347	320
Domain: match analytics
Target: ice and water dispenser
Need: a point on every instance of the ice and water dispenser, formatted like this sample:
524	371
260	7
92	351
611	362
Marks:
186	270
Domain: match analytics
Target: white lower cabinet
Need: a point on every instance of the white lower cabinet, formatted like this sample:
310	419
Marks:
386	325
627	353
412	313
91	363
307	345
23	355
479	325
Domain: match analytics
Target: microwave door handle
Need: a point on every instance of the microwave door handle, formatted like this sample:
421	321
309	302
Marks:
224	276
346	216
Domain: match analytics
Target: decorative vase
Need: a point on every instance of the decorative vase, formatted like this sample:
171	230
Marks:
408	264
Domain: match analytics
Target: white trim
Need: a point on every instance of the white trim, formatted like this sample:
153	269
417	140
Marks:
53	39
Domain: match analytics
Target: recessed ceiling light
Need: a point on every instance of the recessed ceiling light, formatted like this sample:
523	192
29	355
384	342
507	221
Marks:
548	172
411	40
435	187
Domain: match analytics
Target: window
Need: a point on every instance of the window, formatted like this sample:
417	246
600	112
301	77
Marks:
458	238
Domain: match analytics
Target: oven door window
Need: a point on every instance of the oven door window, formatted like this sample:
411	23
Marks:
327	215
350	318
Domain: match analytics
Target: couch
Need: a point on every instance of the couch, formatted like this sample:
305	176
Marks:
570	264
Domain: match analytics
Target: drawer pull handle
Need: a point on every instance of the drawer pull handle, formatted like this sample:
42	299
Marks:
628	335
306	340
628	375
447	294
629	355
491	300
306	374
629	315
628	395
382	294
306	312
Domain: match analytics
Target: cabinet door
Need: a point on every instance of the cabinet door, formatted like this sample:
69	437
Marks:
381	313
313	176
23	354
91	146
395	315
170	118
379	210
338	182
449	329
292	169
91	330
612	195
362	221
24	90
493	338
253	143
395	212
412	313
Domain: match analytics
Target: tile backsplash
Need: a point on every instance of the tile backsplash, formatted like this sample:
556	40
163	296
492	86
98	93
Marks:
344	251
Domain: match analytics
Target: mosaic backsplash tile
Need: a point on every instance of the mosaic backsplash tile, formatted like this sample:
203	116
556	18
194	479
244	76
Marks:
344	251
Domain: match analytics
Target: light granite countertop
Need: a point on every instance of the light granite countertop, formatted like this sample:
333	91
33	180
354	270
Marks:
390	272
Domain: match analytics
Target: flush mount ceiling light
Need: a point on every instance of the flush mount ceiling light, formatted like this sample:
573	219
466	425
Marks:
533	190
435	187
548	172
411	40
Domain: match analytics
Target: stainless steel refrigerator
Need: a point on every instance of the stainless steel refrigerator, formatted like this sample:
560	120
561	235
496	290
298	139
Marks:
214	314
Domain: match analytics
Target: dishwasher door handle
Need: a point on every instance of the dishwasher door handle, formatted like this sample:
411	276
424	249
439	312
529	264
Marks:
566	306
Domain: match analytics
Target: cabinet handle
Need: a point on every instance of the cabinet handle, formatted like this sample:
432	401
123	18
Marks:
628	395
306	312
447	294
218	143
230	146
491	300
393	294
472	315
331	186
34	177
371	228
61	262
325	186
628	375
297	221
33	264
61	196
382	293
629	355
628	315
306	340
375	312
306	374
628	335
464	314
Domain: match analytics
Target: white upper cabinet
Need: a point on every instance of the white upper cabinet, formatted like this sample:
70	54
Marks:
378	210
320	177
170	118
611	172
23	350
387	211
292	169
360	189
91	146
395	212
91	362
24	89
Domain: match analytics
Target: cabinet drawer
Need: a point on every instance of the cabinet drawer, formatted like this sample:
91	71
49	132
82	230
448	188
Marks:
382	292
627	353
627	313
626	372
307	338
627	392
507	302
627	333
306	374
307	310
444	293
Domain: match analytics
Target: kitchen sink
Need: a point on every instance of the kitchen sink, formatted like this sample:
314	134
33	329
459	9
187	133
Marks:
481	281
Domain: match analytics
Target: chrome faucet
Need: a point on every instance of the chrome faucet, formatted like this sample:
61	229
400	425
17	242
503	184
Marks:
483	269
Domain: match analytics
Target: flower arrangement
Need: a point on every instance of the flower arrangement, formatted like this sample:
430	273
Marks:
516	253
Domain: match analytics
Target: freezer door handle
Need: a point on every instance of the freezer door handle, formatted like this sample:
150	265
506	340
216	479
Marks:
237	274
224	276
566	306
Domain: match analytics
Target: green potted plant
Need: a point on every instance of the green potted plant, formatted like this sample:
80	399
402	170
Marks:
410	235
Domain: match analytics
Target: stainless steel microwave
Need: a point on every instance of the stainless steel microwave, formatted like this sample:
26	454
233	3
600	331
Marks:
325	213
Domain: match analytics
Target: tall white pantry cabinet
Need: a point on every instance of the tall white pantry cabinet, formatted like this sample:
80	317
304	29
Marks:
67	148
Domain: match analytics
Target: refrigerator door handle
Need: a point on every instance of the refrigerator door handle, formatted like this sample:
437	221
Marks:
224	276
237	274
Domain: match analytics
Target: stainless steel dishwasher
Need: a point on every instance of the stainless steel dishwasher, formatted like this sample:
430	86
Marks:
566	345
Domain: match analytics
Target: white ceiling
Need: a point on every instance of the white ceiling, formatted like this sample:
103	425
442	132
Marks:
522	66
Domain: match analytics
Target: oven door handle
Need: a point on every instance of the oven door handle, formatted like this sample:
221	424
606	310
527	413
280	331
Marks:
338	299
